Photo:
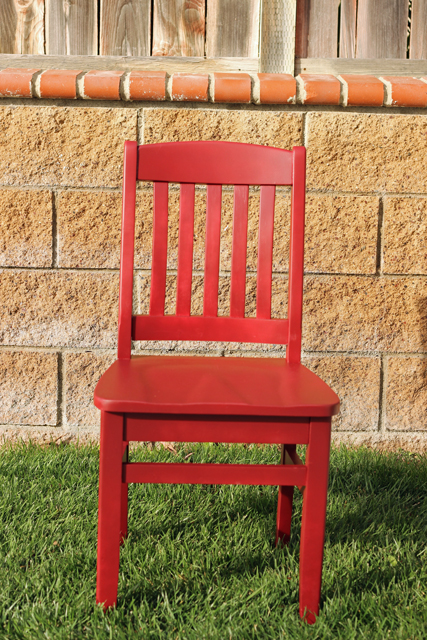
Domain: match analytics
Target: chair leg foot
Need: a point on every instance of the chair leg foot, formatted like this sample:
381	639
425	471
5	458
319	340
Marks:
110	493
313	518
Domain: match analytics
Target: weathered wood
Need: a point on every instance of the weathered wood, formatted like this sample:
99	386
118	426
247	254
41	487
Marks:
382	28
72	27
347	43
126	63
22	26
323	29
301	28
418	46
125	27
232	28
375	67
277	46
7	26
178	28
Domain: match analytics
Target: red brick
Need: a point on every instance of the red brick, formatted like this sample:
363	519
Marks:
191	87
320	89
277	88
147	85
232	87
407	92
16	83
364	91
102	85
58	83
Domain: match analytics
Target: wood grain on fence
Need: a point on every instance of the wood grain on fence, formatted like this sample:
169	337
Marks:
125	28
418	48
22	26
178	28
347	44
232	28
66	32
382	28
323	29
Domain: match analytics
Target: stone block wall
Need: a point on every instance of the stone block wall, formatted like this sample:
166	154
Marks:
365	306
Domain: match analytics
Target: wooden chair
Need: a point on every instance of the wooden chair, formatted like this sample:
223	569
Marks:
196	399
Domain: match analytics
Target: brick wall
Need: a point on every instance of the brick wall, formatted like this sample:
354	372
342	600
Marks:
365	308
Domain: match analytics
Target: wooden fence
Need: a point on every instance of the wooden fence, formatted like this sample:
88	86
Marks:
361	29
211	28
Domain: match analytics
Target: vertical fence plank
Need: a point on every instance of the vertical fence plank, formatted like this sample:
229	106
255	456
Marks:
418	48
72	27
7	26
347	43
125	27
382	28
301	28
22	26
232	28
178	28
323	29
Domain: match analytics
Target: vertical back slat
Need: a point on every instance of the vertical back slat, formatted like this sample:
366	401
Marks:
212	250
185	250
296	256
127	249
238	256
265	252
160	249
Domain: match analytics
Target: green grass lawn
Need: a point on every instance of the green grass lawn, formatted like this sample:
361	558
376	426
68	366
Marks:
199	561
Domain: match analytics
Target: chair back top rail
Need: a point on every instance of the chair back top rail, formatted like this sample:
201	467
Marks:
213	164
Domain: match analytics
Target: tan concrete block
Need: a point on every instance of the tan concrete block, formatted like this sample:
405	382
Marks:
64	146
367	152
81	373
25	228
28	384
39	308
365	314
356	381
405	235
406	394
89	228
275	128
341	234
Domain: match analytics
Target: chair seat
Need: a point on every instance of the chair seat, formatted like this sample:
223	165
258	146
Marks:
214	386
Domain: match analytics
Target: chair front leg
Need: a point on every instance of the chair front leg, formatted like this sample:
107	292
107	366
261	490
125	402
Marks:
313	517
109	514
124	499
284	504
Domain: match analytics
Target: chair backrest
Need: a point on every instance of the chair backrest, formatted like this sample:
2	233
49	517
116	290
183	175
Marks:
213	164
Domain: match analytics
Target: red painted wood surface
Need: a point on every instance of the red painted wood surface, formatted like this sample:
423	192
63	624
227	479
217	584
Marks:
183	428
212	250
198	399
160	249
190	473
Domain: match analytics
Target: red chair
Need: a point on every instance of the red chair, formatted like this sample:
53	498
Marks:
196	399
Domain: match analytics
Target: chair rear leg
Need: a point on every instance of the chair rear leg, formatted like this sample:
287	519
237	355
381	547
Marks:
109	514
124	499
284	504
313	518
